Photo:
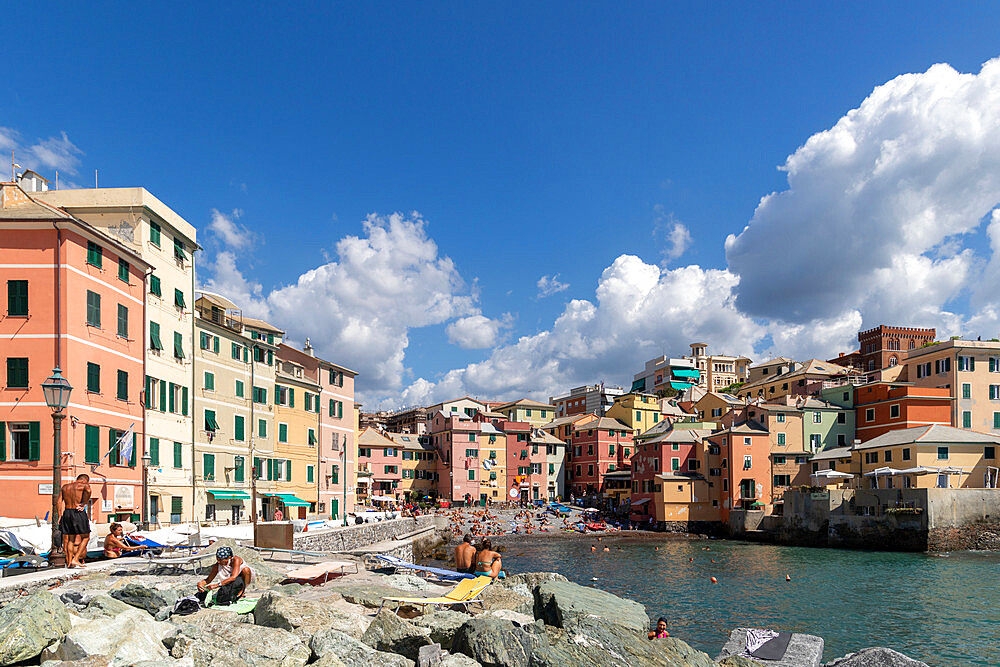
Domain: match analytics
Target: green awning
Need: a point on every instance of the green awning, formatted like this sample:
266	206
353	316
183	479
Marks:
291	501
686	372
210	423
639	385
223	494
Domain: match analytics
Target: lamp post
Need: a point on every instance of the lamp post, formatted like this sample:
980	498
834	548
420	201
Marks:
146	461
56	390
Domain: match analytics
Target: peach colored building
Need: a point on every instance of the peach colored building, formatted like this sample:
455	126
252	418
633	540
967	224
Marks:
74	299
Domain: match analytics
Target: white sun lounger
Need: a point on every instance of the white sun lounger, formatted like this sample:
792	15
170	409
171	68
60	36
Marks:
324	570
177	563
292	553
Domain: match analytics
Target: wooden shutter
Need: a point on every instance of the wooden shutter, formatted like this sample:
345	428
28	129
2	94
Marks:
291	397
178	456
3	441
309	474
184	401
154	451
270	469
112	450
215	345
163	396
288	471
176	504
257	473
34	441
92	438
238	428
172	397
333	412
208	466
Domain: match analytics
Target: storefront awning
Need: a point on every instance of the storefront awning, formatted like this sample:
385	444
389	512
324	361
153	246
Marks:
679	385
291	501
225	494
636	503
686	373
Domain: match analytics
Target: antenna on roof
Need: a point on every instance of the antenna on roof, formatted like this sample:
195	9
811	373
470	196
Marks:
13	167
95	179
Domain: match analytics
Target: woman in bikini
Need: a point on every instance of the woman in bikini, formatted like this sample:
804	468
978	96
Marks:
488	562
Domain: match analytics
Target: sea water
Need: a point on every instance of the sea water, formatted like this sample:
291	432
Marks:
942	609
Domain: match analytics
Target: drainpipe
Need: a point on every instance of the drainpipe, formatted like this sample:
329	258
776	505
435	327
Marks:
194	490
144	403
319	434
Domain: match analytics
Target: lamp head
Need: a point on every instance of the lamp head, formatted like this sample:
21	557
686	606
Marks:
56	390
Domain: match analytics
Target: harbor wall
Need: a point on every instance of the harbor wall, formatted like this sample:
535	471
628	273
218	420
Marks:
395	537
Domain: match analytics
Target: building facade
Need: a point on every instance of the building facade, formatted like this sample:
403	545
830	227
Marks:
296	447
718	371
884	346
664	374
881	407
592	399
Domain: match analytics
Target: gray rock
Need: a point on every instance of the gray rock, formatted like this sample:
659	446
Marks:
392	634
72	597
443	624
223	644
104	605
29	624
594	641
369	595
738	661
499	597
517	618
876	657
429	656
92	661
802	651
557	602
530	579
987	541
408	582
149	598
495	642
127	638
305	617
266	575
329	660
287	589
328	644
458	660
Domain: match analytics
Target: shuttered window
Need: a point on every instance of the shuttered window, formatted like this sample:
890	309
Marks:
238	428
122	321
154	336
17	298
93	378
179	298
238	468
309	474
92	449
94	254
176	505
123	270
154	286
179	250
178	456
261	428
17	372
239	388
122	386
312	438
178	345
208	466
288	471
93	309
257	472
34	441
282	432
154	233
210	423
184	400
209	381
154	451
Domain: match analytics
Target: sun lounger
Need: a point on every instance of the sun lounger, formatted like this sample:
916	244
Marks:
177	563
313	573
22	561
400	564
292	553
465	592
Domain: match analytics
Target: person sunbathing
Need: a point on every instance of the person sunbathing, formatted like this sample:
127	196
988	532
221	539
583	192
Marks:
114	544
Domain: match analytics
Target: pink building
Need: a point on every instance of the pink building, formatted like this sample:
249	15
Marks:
672	450
379	469
455	438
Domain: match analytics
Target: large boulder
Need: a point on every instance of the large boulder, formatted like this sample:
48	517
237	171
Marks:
409	582
104	605
558	602
738	661
369	595
127	638
392	634
876	657
499	597
443	623
530	579
457	660
92	661
305	617
224	644
29	624
495	642
148	596
329	644
517	618
593	641
803	650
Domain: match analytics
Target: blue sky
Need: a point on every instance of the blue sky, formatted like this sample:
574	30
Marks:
581	144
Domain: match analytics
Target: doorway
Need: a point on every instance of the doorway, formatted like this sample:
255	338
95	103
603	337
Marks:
236	511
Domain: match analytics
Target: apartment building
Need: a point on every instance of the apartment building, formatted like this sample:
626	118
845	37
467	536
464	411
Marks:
664	373
639	412
971	371
525	410
379	466
593	399
555	462
455	437
418	466
739	468
674	451
526	463
717	371
806	378
596	448
338	438
296	449
167	243
74	301
881	407
493	447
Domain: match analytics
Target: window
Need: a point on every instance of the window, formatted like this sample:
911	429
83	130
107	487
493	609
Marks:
154	336
94	254
996	420
238	428
178	345
93	309
308	399
747	461
93	378
989	452
92	447
237	351
210	424
967	364
870	415
779	460
122	386
782	480
472	475
966	419
208	466
746	440
25	441
552	468
309	474
179	250
966	390
994	392
261	428
259	394
209	381
817	418
472	453
675	463
841	417
335	475
282	432
778	418
179	299
906	453
311	435
238	467
178	456
590	469
17	298
123	270
894	411
472	437
17	372
781	438
154	233
239	389
942	453
638	416
841	439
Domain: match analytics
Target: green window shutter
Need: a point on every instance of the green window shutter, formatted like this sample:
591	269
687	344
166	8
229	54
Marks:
309	474
312	437
239	388
178	456
17	372
966	420
3	441
184	401
238	472
257	472
154	286
209	381
176	504
335	475
179	250
17	298
210	423
340	409
93	309
122	321
154	451
163	396
93	377
208	466
122	270
291	397
261	428
112	448
178	345
94	254
270	357
154	233
92	438
172	398
309	401
270	469
238	428
131	458
122	385
282	432
34	441
333	412
154	336
288	471
215	345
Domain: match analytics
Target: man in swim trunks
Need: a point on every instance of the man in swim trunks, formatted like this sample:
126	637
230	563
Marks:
488	562
74	523
465	554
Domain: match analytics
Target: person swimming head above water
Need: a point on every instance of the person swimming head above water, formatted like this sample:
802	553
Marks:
661	629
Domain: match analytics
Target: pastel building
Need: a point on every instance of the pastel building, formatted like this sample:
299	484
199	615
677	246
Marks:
532	412
664	373
738	459
296	448
379	466
455	437
555	462
594	399
73	299
717	371
677	452
494	481
596	448
418	466
526	463
806	378
639	412
881	407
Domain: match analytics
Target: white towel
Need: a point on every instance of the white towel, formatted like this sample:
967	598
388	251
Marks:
757	638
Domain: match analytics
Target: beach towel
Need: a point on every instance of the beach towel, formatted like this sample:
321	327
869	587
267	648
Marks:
244	606
774	648
755	639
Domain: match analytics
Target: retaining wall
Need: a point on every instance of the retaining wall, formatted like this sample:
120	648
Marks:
357	537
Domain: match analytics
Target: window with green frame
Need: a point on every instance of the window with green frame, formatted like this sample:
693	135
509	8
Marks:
154	233
179	250
966	419
95	254
178	455
17	298
237	353
312	438
154	286
154	336
122	321
123	270
209	381
239	388
178	345
309	401
309	474
238	466
93	378
335	475
154	451
261	428
282	432
92	447
93	309
17	372
208	466
179	299
122	385
210	423
238	428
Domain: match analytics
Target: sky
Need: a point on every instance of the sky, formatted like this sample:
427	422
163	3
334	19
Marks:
512	199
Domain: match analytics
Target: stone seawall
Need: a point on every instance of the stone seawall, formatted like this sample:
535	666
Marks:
395	537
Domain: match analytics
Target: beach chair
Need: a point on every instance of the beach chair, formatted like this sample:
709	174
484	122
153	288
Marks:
176	563
399	564
465	592
313	573
291	553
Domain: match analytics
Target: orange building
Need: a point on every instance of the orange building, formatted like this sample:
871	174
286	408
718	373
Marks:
887	406
739	468
74	300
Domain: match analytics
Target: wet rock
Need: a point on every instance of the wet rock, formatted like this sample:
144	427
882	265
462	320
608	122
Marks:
557	602
392	634
148	597
495	642
127	638
739	661
803	650
328	644
443	624
29	624
876	657
223	644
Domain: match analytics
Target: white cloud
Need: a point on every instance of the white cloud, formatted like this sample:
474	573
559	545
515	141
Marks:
675	235
876	207
476	331
44	155
549	285
233	234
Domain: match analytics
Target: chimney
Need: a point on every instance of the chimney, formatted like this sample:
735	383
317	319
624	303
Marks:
308	348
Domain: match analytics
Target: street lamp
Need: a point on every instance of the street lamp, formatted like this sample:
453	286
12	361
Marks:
56	390
146	461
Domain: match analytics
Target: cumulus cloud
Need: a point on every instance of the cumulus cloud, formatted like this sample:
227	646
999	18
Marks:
672	233
876	207
43	155
476	331
230	232
549	285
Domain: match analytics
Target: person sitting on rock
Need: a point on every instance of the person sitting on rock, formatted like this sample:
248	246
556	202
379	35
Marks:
488	562
234	577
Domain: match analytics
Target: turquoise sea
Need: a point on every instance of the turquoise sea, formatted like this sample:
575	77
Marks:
944	610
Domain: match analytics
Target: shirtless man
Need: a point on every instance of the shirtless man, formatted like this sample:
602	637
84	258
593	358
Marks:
465	554
74	523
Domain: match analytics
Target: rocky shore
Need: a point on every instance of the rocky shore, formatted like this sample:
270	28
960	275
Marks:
528	620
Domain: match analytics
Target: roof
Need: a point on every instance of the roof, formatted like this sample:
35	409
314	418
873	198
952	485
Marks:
217	300
538	435
569	419
371	437
603	422
728	398
618	473
810	367
260	324
526	403
749	427
409	441
16	204
680	477
679	435
491	414
834	453
932	434
776	360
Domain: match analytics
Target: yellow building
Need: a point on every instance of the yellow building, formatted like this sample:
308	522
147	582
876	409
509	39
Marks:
640	412
535	413
714	405
927	457
796	380
683	499
418	465
493	458
297	422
